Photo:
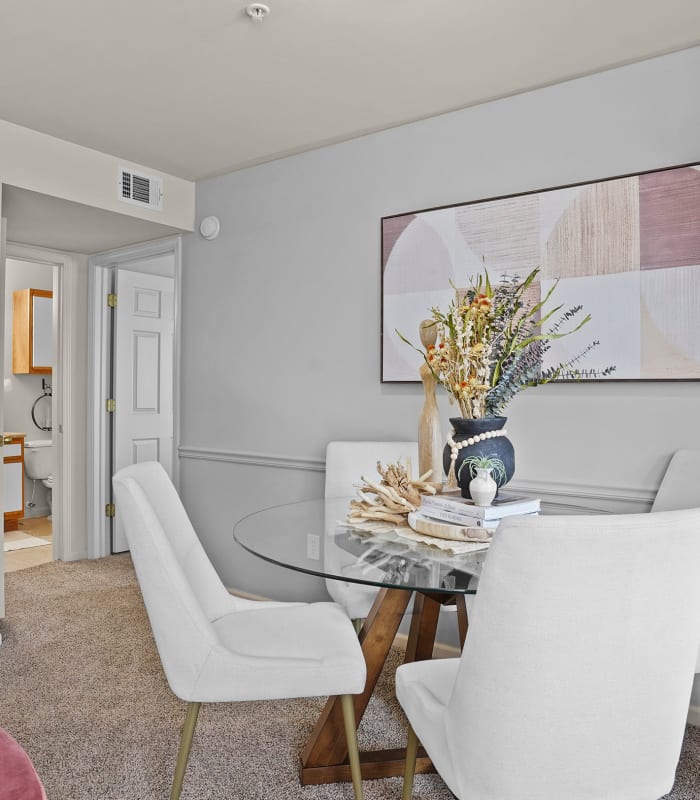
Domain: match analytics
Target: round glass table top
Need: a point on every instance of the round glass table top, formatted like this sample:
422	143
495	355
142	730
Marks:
313	537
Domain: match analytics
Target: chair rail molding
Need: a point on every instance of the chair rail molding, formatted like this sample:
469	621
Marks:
252	459
564	497
573	498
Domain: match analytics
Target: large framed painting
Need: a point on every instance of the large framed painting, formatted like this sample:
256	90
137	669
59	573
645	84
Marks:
627	249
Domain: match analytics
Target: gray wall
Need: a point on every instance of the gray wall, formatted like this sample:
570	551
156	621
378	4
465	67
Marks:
281	313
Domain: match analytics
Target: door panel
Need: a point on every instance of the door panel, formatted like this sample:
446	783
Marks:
145	450
146	371
143	375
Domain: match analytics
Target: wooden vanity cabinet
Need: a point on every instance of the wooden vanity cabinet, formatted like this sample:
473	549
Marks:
32	331
13	477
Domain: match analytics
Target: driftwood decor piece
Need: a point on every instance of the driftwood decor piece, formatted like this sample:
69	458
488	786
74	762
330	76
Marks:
391	499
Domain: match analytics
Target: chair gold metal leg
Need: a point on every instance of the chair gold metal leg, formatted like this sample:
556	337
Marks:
357	625
347	703
411	753
184	752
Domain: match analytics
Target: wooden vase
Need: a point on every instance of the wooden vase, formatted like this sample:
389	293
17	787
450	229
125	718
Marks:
430	441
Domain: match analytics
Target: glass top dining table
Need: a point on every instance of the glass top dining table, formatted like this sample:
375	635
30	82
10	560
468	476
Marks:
313	537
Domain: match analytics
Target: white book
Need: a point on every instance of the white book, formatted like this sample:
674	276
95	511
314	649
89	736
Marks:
445	515
503	506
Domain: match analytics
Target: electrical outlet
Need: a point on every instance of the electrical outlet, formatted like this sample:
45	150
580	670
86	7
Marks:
313	546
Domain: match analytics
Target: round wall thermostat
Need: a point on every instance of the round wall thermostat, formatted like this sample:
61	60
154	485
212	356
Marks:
209	227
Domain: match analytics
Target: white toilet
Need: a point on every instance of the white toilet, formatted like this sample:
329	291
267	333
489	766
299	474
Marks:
38	463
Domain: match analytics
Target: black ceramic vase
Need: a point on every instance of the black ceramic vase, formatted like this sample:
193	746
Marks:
497	447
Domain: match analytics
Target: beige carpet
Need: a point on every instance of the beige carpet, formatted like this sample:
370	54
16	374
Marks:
81	688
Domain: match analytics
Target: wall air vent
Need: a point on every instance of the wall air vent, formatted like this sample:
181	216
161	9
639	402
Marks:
140	190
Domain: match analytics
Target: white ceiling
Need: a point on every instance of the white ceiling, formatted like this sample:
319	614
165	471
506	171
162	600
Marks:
194	88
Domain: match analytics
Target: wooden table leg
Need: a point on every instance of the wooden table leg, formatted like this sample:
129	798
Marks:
421	636
324	759
462	619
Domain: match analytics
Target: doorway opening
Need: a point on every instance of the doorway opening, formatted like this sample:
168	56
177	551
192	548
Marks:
31	532
29	360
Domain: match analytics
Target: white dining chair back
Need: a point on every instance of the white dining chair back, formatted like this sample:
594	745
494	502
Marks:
180	587
346	463
576	674
680	488
216	647
680	485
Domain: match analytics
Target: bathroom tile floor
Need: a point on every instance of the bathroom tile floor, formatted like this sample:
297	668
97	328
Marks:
31	556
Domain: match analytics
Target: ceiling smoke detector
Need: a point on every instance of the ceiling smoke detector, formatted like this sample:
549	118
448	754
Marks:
257	11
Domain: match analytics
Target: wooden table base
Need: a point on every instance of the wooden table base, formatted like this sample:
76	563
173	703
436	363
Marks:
373	764
324	759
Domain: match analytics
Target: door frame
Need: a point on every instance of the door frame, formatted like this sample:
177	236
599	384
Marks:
3	228
67	505
99	369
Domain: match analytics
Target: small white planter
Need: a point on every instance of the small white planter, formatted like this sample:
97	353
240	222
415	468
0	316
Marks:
483	487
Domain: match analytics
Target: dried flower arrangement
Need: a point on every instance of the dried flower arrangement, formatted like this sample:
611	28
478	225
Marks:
491	341
391	499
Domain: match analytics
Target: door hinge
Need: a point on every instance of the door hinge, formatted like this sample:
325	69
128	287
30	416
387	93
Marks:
111	405
110	510
112	300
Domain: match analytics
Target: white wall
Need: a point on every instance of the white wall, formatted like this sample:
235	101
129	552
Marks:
42	163
281	313
23	390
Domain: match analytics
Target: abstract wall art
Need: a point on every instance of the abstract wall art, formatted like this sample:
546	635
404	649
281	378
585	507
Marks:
627	249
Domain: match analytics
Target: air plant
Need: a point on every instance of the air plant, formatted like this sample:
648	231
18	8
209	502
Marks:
491	462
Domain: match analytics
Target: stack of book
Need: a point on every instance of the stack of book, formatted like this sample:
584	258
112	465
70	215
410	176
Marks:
455	509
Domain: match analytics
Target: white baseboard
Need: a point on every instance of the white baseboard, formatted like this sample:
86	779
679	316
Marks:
441	650
448	651
37	511
247	595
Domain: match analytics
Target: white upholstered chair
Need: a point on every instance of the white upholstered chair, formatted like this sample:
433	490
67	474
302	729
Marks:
680	485
346	462
215	647
576	674
680	488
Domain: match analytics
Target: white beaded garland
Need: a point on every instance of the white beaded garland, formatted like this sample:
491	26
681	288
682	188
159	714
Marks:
455	447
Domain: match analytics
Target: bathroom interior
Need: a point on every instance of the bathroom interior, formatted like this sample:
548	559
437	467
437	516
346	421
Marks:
28	467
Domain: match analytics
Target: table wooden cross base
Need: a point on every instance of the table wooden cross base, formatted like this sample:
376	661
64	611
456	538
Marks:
324	759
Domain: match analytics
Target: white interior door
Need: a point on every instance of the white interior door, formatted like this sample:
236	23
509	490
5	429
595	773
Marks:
143	375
